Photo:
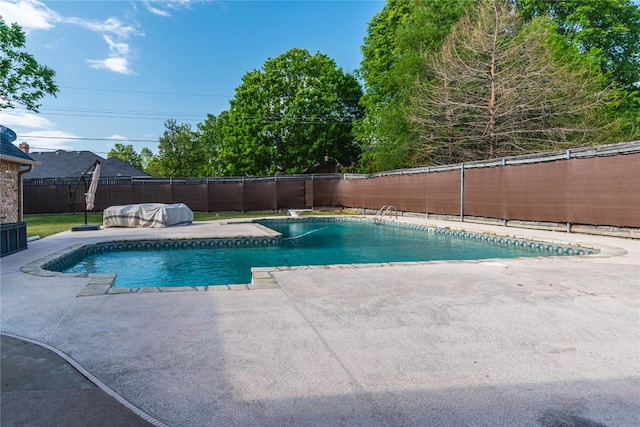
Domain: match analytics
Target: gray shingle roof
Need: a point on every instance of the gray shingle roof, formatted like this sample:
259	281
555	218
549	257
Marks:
72	164
10	150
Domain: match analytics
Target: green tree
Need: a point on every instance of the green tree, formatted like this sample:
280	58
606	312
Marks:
608	28
22	79
126	153
611	27
397	39
153	168
211	136
180	154
146	156
499	88
290	115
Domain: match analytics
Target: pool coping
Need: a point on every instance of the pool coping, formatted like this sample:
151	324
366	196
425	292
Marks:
263	278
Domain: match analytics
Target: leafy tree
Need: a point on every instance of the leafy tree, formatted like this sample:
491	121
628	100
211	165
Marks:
499	88
126	153
290	115
611	27
146	156
396	41
153	168
22	79
179	152
211	136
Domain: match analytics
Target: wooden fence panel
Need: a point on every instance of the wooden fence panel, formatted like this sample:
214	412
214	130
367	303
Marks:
290	194
536	192
604	190
326	193
413	192
47	199
443	193
151	193
192	195
308	194
226	197
113	195
594	191
260	196
484	192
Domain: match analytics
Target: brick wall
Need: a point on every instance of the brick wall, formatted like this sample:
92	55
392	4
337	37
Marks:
9	203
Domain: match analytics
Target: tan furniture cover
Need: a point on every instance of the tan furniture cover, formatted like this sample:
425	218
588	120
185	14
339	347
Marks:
147	215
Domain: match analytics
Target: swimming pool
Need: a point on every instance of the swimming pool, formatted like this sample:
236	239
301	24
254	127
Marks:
306	241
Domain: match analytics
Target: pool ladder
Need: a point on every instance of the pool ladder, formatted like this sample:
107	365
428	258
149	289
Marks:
383	211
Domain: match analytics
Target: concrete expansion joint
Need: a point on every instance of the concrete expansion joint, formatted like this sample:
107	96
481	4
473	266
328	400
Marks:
352	378
88	375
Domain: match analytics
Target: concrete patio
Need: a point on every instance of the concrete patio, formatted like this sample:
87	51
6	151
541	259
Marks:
518	342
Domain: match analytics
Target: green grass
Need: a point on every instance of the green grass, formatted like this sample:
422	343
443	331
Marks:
46	225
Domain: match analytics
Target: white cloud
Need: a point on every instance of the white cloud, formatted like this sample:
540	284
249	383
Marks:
114	32
112	26
117	137
155	10
34	15
117	65
28	14
117	48
36	131
163	7
117	62
47	140
24	119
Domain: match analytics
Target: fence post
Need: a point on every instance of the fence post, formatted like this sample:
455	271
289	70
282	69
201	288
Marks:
504	220
462	192
568	223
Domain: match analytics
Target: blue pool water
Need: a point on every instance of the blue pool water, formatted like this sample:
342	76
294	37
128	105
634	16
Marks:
302	243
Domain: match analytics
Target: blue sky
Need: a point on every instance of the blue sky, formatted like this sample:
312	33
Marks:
124	67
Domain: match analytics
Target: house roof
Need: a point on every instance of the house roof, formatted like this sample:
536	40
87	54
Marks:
73	164
11	153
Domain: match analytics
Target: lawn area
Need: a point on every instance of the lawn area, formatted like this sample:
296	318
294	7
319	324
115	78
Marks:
46	225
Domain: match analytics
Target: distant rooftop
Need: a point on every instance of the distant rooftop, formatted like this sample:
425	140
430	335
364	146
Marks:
72	164
7	149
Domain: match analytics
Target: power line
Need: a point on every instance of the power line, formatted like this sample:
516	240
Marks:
146	92
78	138
109	111
122	117
38	149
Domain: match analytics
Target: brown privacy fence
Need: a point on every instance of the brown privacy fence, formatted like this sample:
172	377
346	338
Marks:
200	194
592	186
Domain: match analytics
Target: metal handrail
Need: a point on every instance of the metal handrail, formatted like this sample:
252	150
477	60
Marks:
384	210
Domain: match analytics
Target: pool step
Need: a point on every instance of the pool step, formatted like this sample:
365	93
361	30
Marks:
262	278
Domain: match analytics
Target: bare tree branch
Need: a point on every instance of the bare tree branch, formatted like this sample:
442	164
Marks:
500	88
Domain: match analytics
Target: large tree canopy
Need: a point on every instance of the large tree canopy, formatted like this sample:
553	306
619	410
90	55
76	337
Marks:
211	137
499	88
292	114
404	31
179	152
22	79
396	41
610	26
126	153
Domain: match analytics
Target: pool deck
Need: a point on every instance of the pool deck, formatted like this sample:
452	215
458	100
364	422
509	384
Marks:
518	342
